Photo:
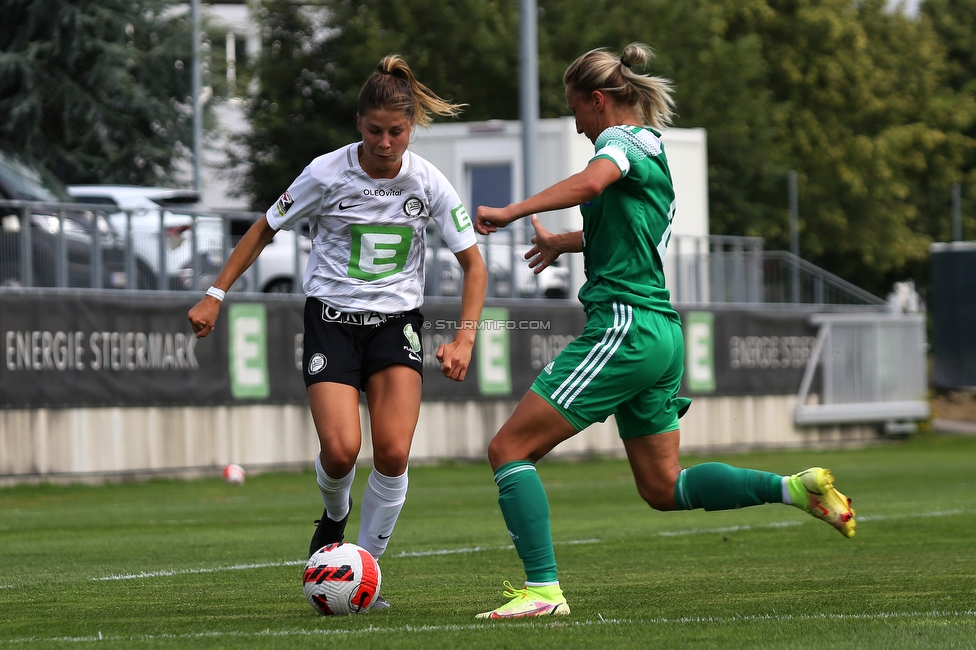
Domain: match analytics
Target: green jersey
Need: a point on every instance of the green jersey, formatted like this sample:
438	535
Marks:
626	229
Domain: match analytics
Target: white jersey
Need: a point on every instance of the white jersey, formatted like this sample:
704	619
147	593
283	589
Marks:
369	235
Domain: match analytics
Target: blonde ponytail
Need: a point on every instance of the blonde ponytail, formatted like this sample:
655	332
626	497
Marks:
393	87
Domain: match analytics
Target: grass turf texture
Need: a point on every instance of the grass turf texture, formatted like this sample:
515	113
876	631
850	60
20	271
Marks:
203	564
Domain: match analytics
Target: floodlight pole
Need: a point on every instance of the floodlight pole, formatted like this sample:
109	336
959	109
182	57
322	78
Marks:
529	93
956	212
197	84
795	233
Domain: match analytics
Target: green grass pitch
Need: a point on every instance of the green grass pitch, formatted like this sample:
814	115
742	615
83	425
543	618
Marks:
200	564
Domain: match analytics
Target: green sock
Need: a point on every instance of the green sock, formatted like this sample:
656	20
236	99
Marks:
717	486
526	511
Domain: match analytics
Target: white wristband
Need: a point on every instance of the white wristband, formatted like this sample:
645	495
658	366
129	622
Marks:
214	292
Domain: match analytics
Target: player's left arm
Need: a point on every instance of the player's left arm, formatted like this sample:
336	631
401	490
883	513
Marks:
579	188
455	357
548	246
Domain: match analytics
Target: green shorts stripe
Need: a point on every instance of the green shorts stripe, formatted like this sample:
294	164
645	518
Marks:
585	372
628	362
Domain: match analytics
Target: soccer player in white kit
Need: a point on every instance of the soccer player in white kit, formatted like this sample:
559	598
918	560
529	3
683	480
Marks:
368	205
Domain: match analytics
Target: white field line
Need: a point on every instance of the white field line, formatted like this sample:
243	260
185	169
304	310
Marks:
264	565
786	524
194	522
181	572
727	529
489	625
481	549
313	633
913	515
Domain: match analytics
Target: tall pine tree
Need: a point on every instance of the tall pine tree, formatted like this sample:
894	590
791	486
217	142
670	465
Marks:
97	90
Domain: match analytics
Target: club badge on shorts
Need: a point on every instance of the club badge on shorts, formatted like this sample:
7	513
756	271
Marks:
413	340
317	363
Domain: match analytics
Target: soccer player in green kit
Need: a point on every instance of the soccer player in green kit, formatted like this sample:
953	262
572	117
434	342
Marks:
629	360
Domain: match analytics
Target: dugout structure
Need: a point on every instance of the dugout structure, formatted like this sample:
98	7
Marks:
953	306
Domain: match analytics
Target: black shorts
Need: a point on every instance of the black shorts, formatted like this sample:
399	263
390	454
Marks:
348	348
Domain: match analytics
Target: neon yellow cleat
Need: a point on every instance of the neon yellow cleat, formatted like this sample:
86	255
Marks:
813	490
530	601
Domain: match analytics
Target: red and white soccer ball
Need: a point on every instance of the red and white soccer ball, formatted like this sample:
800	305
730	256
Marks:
341	579
234	474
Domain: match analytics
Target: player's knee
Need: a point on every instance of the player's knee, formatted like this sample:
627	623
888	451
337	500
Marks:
501	451
658	495
391	460
496	453
338	464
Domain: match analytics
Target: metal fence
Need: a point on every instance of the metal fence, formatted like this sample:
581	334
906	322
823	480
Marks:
78	245
509	275
872	370
176	249
85	246
722	269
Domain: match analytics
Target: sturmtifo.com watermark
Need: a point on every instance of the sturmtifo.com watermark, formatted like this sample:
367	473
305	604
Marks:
487	324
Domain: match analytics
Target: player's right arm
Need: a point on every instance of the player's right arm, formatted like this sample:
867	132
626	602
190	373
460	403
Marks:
302	199
203	315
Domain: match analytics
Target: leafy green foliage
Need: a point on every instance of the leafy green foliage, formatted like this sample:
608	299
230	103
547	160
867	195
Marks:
96	89
316	58
200	564
294	115
852	95
869	105
954	23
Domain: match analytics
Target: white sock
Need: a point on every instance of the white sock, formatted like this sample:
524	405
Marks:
382	502
335	491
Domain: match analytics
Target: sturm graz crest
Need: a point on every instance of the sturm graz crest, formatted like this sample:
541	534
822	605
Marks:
413	207
317	363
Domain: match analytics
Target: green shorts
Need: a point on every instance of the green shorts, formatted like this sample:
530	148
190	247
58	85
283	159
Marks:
627	362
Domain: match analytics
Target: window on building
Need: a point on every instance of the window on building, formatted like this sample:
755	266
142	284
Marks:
490	185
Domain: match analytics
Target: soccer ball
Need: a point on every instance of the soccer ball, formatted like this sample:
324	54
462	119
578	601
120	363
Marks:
341	579
234	474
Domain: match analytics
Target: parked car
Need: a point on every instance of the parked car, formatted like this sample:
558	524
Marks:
160	218
68	246
193	237
275	268
444	277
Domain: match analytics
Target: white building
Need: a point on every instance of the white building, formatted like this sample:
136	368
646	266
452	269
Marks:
242	43
483	160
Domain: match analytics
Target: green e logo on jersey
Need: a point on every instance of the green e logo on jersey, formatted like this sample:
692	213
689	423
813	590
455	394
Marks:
378	251
461	219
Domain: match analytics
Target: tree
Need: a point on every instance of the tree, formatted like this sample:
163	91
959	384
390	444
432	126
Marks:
854	96
713	51
96	89
294	115
954	21
872	128
310	73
